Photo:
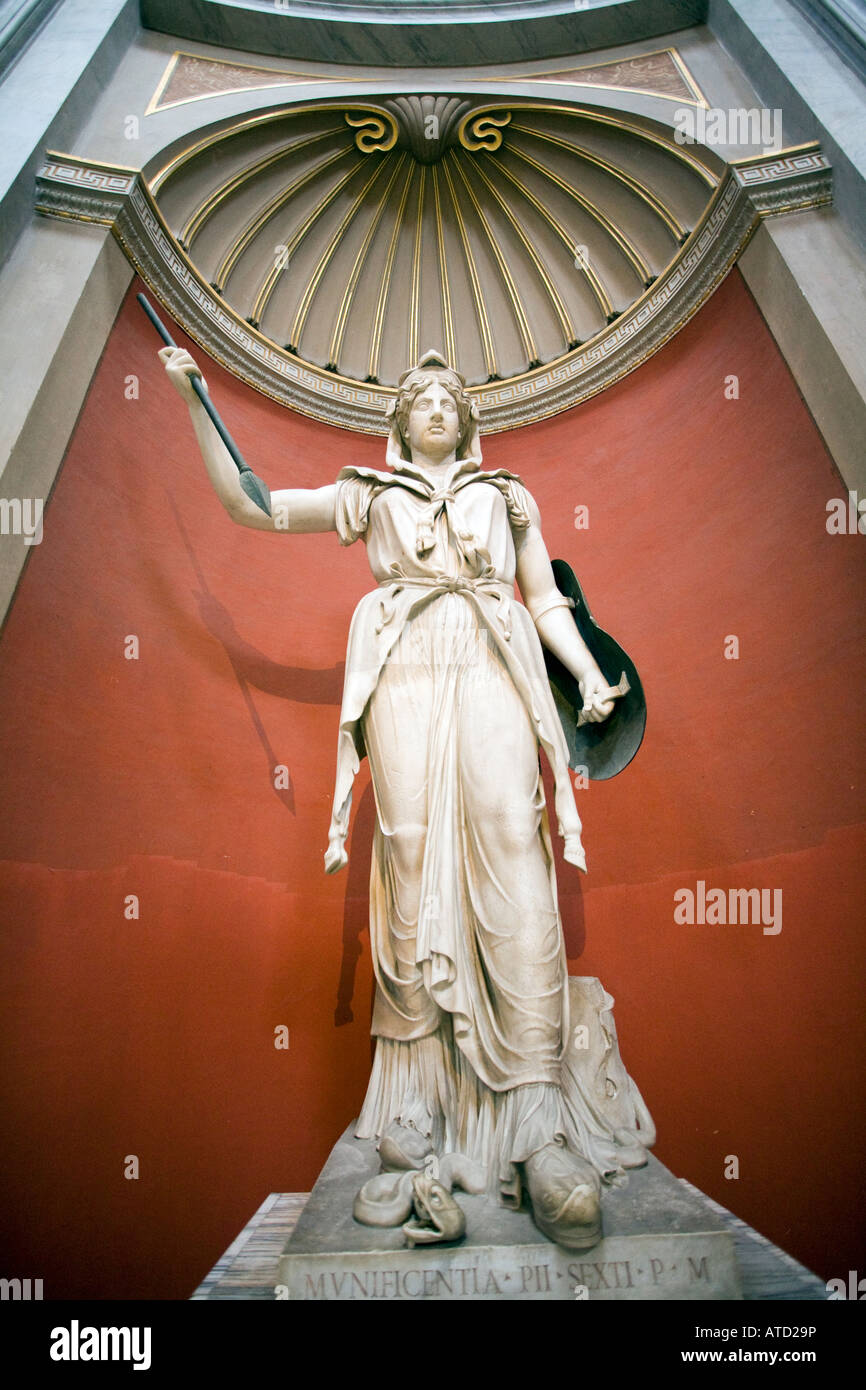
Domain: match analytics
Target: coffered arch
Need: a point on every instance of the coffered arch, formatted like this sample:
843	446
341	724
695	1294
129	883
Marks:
352	236
316	248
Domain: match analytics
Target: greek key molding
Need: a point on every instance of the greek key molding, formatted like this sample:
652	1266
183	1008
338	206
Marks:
792	180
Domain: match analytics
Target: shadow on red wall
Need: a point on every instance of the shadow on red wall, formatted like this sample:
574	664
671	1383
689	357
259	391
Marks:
153	1035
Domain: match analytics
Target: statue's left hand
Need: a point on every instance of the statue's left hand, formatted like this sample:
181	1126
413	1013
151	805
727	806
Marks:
592	688
336	857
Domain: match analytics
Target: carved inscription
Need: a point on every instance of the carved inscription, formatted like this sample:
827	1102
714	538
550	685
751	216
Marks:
690	1267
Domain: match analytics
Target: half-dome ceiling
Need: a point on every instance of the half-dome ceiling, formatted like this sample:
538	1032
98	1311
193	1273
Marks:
357	235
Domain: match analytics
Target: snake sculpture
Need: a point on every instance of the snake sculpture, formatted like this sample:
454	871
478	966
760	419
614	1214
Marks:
421	1200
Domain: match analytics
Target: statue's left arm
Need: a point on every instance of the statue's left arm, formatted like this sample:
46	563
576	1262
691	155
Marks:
552	616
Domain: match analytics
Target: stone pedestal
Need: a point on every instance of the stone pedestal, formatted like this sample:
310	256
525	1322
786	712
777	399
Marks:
661	1242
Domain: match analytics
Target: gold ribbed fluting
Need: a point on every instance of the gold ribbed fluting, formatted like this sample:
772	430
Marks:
523	231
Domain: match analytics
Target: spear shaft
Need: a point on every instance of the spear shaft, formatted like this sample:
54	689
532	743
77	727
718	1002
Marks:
253	486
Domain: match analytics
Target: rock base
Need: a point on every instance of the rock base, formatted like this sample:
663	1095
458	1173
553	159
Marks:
661	1241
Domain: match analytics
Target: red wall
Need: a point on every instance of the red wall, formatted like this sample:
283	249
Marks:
155	777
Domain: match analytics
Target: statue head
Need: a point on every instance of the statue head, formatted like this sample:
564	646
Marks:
433	413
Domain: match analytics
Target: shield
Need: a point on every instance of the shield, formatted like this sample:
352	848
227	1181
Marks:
603	749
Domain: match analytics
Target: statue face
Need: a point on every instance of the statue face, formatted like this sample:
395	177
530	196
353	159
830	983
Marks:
434	423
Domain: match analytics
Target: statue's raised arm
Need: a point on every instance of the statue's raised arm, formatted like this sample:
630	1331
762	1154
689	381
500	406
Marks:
292	509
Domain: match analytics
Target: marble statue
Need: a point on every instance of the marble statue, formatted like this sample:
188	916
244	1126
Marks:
447	695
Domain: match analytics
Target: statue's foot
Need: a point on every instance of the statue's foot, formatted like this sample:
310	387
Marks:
565	1192
402	1147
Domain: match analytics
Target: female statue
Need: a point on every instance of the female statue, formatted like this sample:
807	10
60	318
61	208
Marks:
447	695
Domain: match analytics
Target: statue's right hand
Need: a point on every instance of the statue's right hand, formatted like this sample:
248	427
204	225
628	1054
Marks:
181	367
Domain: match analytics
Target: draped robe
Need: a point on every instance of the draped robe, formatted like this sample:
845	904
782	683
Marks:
447	694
